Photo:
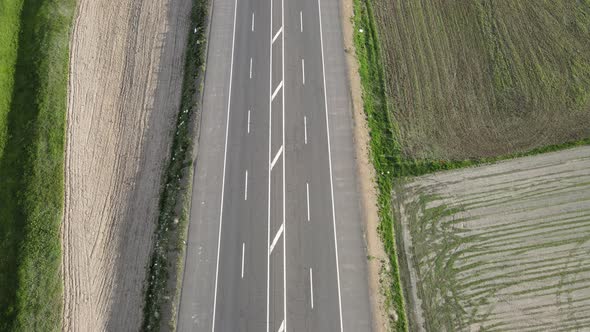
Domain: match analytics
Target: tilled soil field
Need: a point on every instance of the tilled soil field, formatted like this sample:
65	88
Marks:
124	93
503	247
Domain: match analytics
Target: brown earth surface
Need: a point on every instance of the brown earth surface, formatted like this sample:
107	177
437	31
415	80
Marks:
124	92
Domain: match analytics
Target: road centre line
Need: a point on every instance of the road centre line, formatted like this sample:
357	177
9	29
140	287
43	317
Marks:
250	67
311	285
301	20
246	189
272	165
303	70
276	238
224	165
243	250
252	21
330	165
307	185
305	127
277	35
248	121
274	94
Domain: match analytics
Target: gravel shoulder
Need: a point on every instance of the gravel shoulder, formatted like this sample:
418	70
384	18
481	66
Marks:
126	66
365	174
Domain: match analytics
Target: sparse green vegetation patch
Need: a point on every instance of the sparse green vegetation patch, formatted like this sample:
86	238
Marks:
33	87
167	258
383	147
502	247
484	78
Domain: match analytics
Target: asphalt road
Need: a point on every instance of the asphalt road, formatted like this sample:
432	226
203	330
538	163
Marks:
275	238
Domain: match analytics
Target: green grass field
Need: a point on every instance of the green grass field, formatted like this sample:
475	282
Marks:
9	27
33	92
473	79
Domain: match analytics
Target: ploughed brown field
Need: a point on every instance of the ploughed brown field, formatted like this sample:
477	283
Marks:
126	66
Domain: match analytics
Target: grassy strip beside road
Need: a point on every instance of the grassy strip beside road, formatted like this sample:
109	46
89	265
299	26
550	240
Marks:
382	146
170	230
33	103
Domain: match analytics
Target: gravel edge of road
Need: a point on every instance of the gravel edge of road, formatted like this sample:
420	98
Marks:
365	172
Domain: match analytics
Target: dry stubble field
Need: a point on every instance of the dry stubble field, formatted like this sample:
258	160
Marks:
502	247
126	65
471	79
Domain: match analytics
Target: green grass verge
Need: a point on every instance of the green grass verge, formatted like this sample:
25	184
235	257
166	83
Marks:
167	229
386	152
32	121
382	145
180	253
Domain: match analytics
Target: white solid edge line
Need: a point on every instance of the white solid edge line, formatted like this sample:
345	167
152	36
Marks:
311	285
305	127
250	67
246	187
269	156
248	121
284	156
277	236
303	70
276	35
252	21
330	164
272	165
301	20
243	250
307	187
282	328
274	94
224	164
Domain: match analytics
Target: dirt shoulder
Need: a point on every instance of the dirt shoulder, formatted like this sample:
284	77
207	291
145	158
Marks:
124	93
366	174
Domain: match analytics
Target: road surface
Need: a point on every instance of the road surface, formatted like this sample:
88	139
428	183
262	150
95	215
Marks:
275	237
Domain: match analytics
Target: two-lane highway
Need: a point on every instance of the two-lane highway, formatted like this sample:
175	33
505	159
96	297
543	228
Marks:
275	239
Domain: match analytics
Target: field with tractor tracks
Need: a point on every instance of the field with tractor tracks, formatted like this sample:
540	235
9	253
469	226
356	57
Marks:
501	247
